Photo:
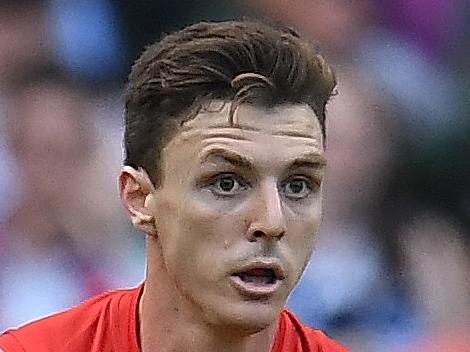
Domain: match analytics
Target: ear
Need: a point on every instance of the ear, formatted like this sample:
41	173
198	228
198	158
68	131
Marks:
136	191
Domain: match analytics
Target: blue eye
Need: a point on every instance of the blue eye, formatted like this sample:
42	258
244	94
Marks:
298	187
226	185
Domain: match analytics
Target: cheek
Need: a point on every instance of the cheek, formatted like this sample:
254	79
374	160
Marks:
303	230
196	236
214	220
305	219
302	239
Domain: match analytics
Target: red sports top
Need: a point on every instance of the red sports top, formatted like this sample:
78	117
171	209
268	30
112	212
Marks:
108	323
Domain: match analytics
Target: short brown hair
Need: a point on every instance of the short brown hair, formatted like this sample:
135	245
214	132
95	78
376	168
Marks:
235	61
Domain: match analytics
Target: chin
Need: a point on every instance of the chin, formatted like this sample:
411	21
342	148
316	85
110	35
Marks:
244	317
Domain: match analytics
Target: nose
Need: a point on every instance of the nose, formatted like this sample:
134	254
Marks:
267	217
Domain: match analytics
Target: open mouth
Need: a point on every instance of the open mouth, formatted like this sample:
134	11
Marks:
258	276
258	280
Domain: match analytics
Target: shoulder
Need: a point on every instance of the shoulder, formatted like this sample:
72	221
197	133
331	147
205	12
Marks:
305	338
76	328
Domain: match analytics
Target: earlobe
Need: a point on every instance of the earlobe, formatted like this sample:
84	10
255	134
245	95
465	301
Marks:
136	191
145	224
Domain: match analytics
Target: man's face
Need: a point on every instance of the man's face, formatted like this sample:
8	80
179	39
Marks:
237	210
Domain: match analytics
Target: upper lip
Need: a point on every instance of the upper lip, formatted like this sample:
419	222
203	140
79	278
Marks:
272	264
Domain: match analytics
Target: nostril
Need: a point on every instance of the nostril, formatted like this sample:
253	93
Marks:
261	234
258	234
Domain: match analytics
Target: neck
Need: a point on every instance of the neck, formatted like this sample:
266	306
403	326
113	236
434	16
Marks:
170	322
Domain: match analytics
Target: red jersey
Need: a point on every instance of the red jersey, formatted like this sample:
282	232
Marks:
108	323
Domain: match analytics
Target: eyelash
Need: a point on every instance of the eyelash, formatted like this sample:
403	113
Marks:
313	184
214	179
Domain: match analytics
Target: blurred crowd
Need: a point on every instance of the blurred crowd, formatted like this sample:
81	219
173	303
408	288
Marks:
391	269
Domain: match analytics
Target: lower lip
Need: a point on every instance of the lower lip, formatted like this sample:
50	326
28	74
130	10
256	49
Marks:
255	290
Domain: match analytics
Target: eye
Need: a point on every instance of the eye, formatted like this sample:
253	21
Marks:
299	187
226	185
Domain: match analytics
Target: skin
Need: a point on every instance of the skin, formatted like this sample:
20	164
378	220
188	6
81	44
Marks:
228	195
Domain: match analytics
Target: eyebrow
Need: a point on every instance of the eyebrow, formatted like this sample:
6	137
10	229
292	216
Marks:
312	160
309	160
227	156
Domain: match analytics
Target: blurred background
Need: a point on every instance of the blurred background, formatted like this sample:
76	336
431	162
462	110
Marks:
391	271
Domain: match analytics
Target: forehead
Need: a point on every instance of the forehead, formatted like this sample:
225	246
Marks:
287	119
280	130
